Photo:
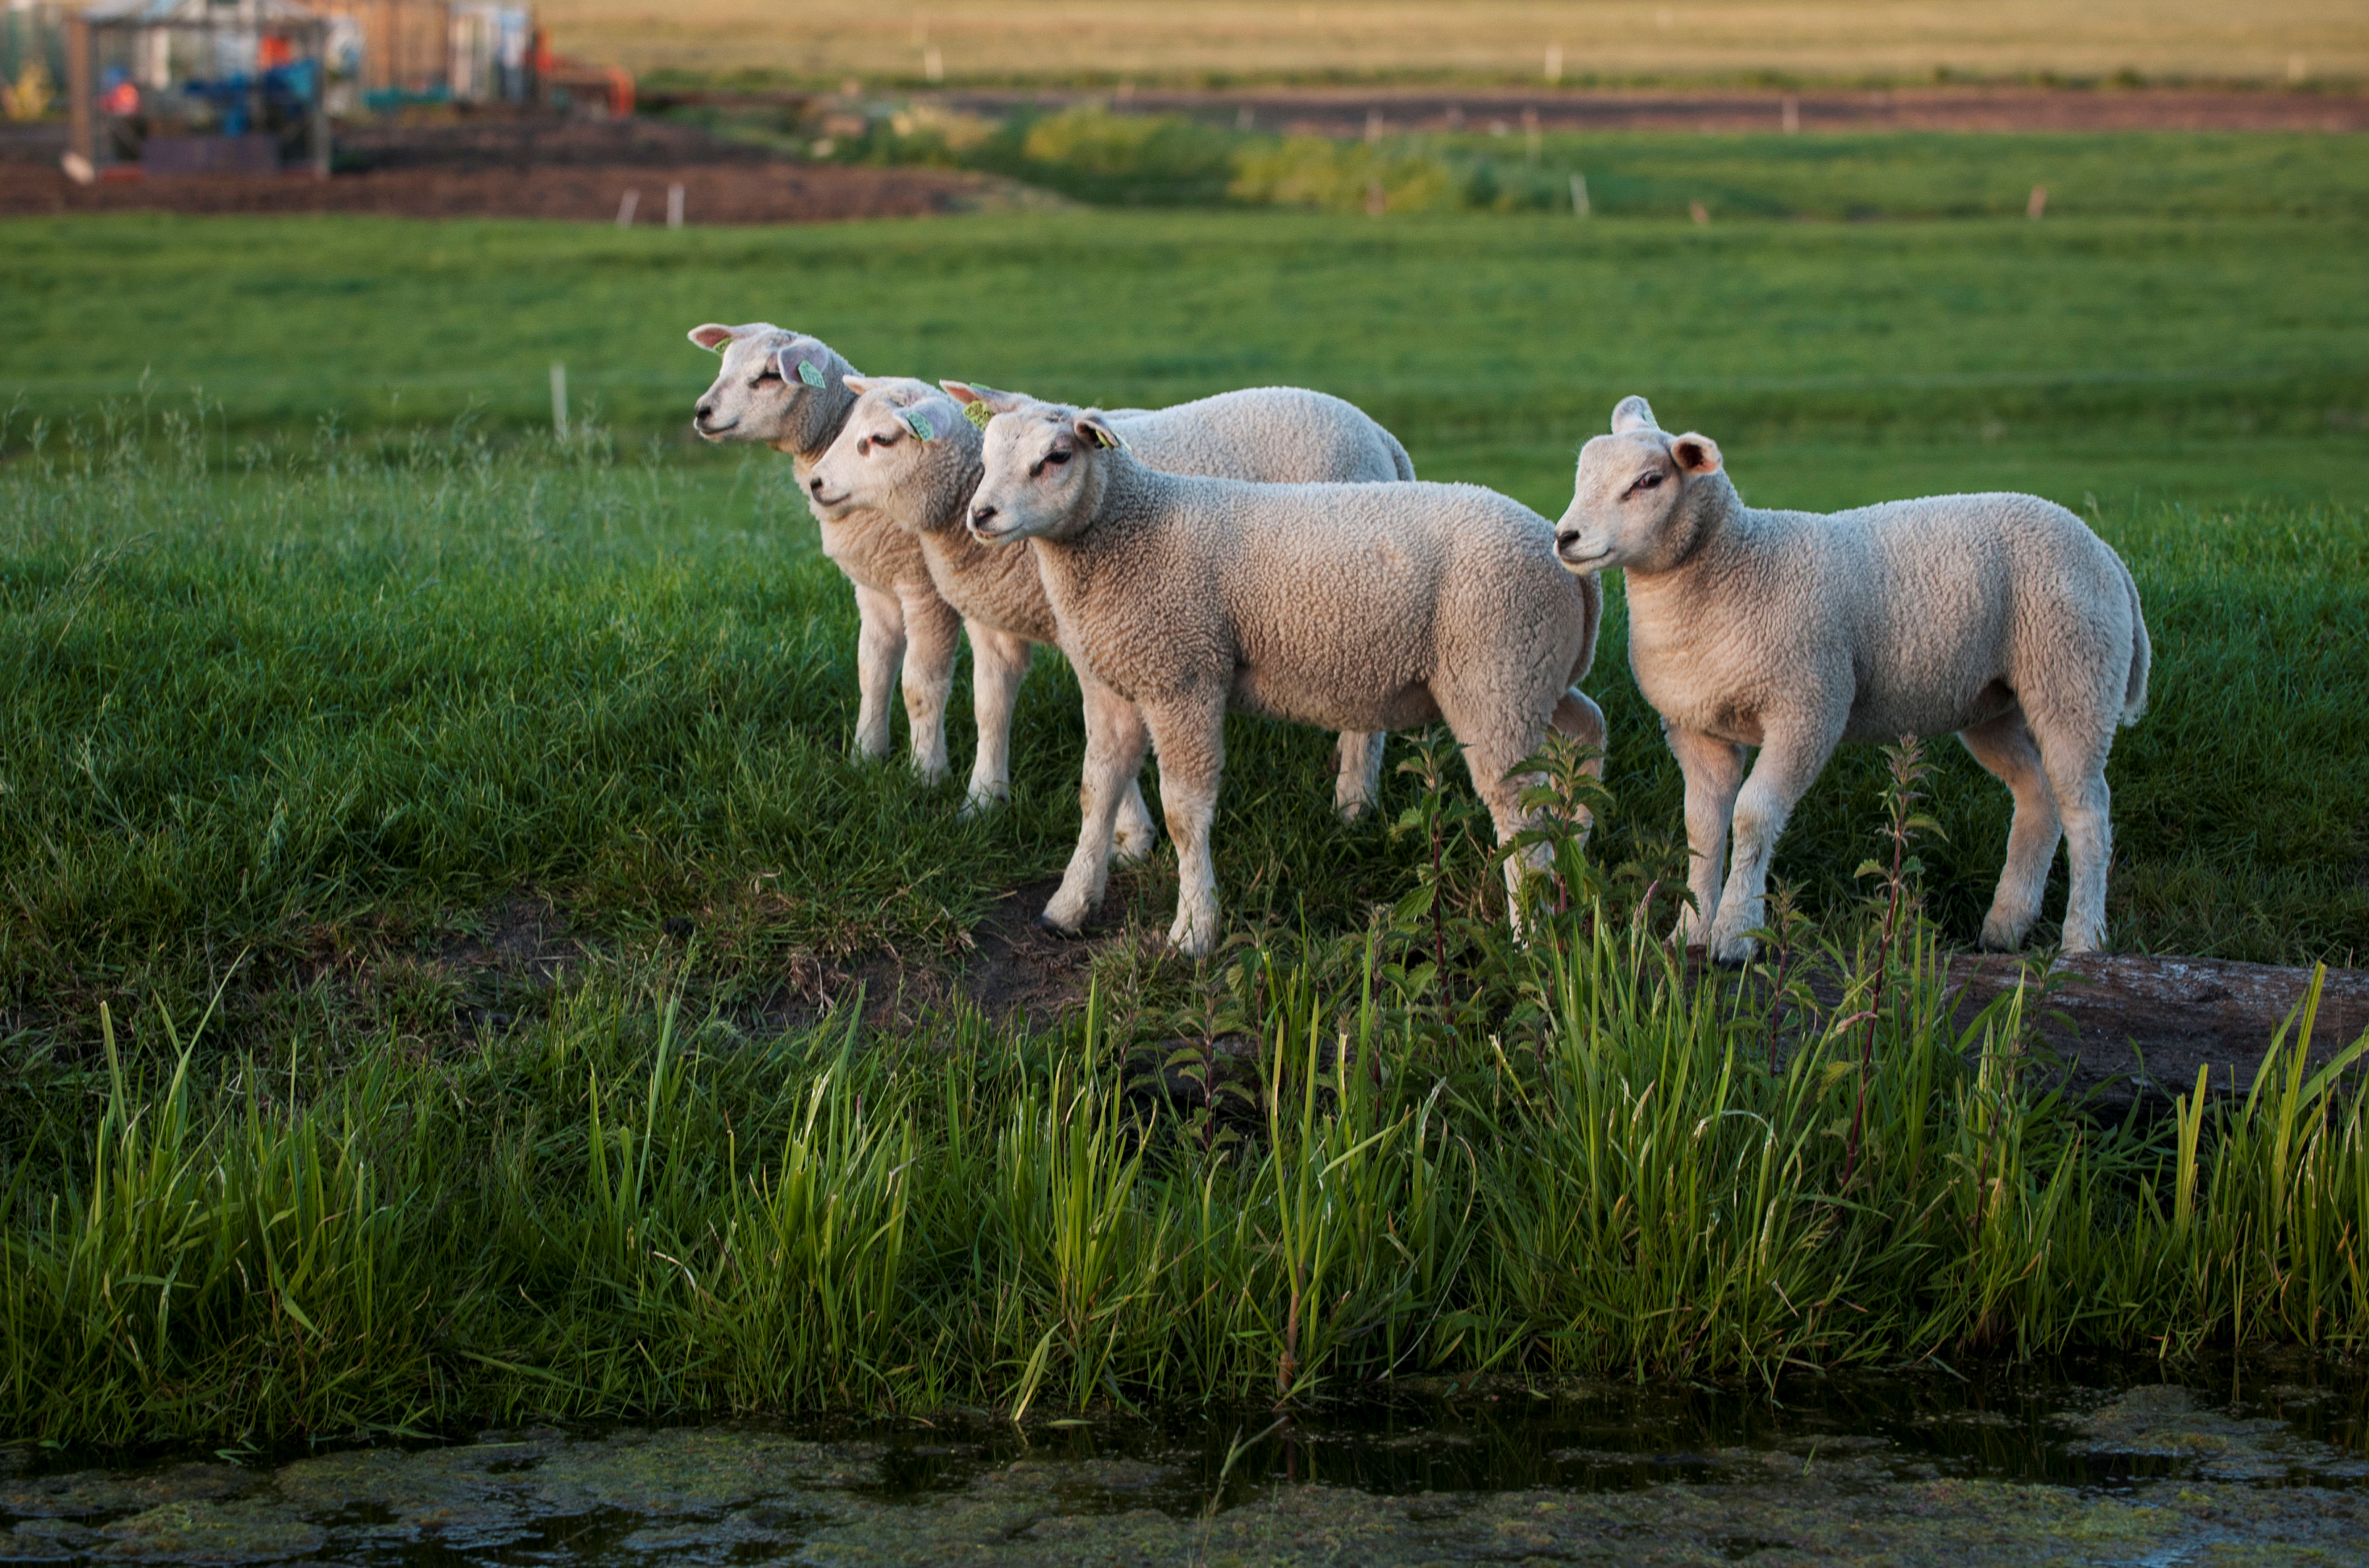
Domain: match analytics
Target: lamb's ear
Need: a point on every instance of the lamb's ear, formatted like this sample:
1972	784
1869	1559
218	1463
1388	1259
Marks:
1632	413
969	392
1696	454
713	336
1092	426
860	385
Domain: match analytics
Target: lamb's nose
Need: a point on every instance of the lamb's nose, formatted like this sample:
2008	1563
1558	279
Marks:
814	487
1567	538
702	411
981	514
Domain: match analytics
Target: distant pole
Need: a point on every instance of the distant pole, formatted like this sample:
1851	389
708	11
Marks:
1579	208
933	65
1373	126
1792	115
80	134
674	205
2298	68
558	401
2038	205
1532	137
1554	65
632	199
1244	119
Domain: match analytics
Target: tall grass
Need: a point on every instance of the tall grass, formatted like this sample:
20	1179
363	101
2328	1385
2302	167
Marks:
622	1211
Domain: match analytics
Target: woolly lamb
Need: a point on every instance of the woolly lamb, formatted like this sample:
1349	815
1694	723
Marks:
2000	617
786	389
883	461
1352	606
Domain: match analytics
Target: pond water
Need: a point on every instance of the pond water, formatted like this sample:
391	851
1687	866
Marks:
2268	1464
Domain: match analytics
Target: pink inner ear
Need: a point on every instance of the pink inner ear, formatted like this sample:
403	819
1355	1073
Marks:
711	336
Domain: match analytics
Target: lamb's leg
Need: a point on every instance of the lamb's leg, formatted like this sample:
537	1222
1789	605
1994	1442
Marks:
2005	747
931	633
1115	738
1579	719
1788	765
1357	772
1136	833
1713	771
1189	738
998	662
879	643
2076	765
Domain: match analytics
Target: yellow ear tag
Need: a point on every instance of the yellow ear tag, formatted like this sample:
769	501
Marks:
1104	439
918	423
809	374
977	414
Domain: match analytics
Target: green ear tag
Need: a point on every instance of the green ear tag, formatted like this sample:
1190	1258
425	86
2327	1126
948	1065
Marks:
918	423
977	414
1104	439
809	374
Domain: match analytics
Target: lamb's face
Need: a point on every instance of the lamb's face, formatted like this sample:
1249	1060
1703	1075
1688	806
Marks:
896	438
761	392
1629	497
1039	482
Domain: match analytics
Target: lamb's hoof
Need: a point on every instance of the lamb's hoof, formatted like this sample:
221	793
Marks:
1047	923
1192	938
977	804
1132	847
2001	936
1729	951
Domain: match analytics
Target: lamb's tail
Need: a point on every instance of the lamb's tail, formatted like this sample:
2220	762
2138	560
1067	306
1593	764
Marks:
1399	457
2134	688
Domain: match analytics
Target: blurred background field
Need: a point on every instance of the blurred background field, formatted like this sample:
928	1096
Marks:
1221	41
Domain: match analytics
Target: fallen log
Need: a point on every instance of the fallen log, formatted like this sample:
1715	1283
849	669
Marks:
2132	1028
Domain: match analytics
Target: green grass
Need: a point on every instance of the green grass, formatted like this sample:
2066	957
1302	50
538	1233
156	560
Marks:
632	1210
309	686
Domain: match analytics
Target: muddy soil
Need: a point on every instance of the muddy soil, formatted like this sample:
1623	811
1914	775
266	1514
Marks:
1981	1471
501	167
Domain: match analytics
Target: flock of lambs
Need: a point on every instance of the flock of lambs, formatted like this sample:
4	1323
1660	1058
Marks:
1271	551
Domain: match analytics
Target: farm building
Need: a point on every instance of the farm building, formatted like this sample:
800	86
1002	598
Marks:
250	87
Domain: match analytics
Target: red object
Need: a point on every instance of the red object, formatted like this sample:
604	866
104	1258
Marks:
121	173
121	99
273	51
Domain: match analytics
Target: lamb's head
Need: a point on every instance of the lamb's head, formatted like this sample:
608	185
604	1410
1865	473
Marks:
905	453
1640	498
1047	466
775	386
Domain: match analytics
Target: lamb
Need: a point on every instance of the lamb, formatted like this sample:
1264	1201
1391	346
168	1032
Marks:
908	452
787	390
2001	617
1369	607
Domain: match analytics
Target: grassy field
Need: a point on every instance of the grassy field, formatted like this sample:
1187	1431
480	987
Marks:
321	675
1497	40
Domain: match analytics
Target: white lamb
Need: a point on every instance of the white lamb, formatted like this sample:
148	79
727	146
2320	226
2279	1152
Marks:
909	452
1370	607
786	390
2001	617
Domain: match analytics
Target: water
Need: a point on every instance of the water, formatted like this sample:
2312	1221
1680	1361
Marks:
2268	1464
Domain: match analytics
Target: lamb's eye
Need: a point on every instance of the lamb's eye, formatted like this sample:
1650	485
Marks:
888	440
765	376
1650	481
1056	458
